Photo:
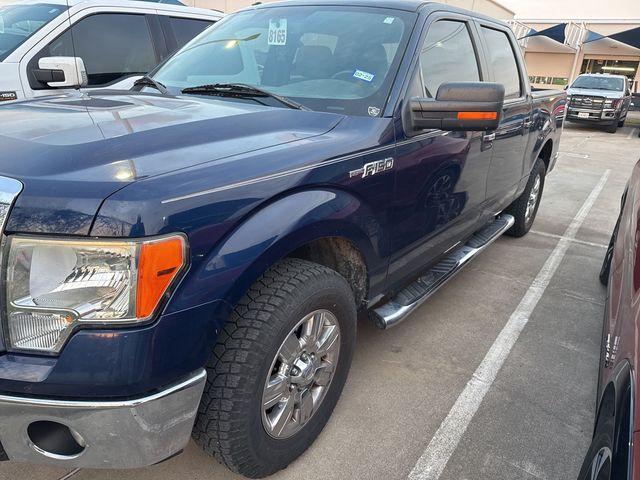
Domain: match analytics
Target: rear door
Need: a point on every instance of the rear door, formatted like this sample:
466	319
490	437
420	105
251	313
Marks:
509	141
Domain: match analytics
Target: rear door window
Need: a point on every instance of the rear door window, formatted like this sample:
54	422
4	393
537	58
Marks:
502	60
186	29
448	55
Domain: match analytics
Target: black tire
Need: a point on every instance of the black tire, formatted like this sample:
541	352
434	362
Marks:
229	425
613	128
621	122
597	463
518	209
608	257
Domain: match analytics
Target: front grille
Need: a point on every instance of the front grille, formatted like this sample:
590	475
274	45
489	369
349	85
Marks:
587	102
9	190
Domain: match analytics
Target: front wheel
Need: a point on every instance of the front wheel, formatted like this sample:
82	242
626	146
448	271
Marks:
613	128
278	368
525	207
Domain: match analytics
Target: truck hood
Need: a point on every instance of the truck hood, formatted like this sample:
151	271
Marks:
594	93
72	152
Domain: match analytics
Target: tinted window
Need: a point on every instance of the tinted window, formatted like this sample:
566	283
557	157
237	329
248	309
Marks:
503	61
331	58
111	45
19	22
448	56
186	29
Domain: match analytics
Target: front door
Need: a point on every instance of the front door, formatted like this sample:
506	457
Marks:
440	176
512	136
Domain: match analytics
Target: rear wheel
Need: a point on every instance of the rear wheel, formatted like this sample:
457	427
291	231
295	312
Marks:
525	207
278	368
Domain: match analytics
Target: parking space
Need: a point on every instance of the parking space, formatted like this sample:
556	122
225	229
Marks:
534	419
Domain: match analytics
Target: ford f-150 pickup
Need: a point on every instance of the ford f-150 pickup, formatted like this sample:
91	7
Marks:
599	99
189	258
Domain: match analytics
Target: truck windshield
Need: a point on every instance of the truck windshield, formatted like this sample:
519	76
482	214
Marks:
19	22
333	59
599	83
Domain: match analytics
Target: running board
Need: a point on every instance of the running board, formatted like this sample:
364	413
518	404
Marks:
407	300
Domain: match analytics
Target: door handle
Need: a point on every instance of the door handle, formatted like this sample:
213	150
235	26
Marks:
489	137
487	141
527	123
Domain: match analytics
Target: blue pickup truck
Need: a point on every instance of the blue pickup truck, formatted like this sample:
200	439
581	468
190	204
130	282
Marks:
189	258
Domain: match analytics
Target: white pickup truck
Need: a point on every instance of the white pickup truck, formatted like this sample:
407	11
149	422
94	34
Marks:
49	46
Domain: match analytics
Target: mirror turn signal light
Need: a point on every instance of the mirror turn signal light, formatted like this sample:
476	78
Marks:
477	115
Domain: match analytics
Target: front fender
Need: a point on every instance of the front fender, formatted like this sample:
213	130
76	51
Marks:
272	232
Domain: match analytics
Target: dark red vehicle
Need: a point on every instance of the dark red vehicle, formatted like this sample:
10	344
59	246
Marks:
615	449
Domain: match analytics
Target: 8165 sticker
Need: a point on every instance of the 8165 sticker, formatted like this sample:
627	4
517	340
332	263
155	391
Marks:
278	32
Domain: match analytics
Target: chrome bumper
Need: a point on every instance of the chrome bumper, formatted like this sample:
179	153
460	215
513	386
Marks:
94	434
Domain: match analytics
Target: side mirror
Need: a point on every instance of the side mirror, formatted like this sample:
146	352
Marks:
470	106
566	87
61	72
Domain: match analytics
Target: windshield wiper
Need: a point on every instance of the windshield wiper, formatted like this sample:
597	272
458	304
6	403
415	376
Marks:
241	90
147	81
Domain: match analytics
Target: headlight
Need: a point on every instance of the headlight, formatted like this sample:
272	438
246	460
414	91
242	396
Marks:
612	103
54	286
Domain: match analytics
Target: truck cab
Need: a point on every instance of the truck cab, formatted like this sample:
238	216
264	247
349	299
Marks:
599	99
53	47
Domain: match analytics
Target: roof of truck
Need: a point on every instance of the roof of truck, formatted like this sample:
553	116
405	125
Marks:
609	75
161	5
408	5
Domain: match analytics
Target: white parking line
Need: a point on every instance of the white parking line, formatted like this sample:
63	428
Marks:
574	155
445	441
632	133
572	240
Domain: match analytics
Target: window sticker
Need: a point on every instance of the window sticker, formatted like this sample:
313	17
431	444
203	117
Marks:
367	77
373	111
389	20
278	32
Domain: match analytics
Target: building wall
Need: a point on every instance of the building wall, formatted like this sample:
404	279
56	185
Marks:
562	10
549	64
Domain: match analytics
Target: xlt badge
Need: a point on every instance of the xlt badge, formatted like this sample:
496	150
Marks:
373	168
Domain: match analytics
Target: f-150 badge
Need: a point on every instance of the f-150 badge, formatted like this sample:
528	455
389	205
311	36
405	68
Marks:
372	168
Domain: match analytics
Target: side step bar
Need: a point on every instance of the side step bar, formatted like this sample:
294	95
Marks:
407	300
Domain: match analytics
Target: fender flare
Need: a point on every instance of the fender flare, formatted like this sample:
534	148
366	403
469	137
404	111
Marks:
274	231
615	399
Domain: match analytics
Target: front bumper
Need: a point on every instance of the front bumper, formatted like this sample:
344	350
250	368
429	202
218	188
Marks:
95	434
595	117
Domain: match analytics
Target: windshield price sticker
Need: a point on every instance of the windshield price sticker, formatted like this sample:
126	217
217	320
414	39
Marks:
278	32
367	77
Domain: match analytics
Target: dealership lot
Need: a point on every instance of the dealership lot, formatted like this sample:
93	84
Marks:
535	420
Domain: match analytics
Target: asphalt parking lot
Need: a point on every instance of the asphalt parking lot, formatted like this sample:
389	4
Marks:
425	398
